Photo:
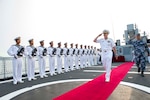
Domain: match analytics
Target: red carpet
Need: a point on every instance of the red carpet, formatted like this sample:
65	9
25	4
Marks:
98	89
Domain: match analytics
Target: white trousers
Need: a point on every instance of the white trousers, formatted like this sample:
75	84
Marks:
30	68
95	59
70	61
107	61
91	60
88	56
17	69
42	65
148	59
59	64
66	66
98	59
52	65
85	60
81	61
77	62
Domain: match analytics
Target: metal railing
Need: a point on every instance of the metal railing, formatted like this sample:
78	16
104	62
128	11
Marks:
6	68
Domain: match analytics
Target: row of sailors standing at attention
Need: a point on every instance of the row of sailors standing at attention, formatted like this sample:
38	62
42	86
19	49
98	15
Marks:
74	58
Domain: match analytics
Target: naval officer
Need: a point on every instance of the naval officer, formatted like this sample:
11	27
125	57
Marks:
51	52
89	64
31	53
71	56
42	53
107	45
91	56
17	52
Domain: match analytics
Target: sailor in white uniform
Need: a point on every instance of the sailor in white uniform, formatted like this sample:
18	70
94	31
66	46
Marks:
59	53
81	56
71	56
17	52
107	45
77	57
95	56
91	56
66	53
42	53
98	56
51	52
88	56
85	56
31	53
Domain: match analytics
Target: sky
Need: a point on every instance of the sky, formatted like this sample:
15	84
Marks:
72	21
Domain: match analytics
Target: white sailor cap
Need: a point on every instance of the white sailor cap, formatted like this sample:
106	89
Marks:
65	43
30	40
51	42
138	34
17	38
76	44
59	42
41	41
106	31
71	44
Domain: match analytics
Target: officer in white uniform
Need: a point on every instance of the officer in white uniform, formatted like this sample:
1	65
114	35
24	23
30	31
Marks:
42	53
71	56
31	53
77	57
17	52
107	45
59	53
89	56
66	53
81	56
51	52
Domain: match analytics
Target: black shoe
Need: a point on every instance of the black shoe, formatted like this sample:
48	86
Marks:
142	73
139	69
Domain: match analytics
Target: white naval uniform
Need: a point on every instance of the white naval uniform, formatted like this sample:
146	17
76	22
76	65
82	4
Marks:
17	63
91	57
85	57
88	57
106	46
70	58
42	62
76	58
81	58
59	61
66	66
98	57
95	57
31	62
51	60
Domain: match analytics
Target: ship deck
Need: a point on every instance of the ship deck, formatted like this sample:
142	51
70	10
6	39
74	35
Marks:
132	87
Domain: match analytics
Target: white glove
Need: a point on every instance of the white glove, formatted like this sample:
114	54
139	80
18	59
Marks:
15	56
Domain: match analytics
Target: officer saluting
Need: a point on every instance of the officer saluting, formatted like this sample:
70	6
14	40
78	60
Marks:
31	53
17	52
51	52
107	45
42	52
